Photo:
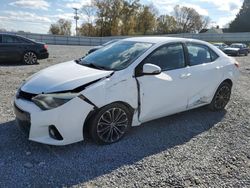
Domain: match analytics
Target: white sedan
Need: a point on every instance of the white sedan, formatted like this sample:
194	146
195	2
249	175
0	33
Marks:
124	84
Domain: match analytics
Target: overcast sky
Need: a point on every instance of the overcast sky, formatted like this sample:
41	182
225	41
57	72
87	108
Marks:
37	15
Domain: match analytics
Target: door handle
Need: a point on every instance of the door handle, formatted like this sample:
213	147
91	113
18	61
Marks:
185	76
219	67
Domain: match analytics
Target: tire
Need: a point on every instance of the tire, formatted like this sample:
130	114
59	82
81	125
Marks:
110	124
221	97
238	54
29	58
246	54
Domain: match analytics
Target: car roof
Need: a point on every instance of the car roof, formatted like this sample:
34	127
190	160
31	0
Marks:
14	35
237	44
155	40
165	40
8	34
218	43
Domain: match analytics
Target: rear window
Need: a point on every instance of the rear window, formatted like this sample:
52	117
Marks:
236	46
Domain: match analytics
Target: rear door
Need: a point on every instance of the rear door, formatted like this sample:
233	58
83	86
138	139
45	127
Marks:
206	73
11	48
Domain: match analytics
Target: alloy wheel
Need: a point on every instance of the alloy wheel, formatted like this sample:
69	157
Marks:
30	58
222	97
112	125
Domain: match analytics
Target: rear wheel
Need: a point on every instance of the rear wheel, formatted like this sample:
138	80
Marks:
110	123
30	58
221	97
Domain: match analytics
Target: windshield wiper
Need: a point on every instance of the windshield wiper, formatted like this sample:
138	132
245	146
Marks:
78	60
99	67
92	65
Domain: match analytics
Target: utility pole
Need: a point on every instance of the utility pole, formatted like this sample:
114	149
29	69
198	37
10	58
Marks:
76	17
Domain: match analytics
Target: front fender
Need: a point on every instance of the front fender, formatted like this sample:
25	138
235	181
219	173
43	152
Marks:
111	90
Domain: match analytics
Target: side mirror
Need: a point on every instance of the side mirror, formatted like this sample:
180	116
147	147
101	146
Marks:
150	69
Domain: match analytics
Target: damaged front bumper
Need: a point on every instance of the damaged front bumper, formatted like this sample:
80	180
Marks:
43	126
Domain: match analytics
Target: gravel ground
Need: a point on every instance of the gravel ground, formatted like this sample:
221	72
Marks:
197	148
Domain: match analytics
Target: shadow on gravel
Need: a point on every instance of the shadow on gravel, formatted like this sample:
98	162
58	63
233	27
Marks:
25	163
14	63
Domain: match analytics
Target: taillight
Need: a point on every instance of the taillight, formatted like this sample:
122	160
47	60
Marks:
236	64
45	46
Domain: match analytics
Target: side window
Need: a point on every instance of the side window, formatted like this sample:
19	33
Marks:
198	54
10	39
168	57
21	40
214	56
0	38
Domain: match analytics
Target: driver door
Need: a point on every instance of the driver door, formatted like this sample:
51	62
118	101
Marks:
165	93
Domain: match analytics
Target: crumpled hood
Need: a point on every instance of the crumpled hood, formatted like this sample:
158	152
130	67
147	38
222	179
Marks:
232	49
62	77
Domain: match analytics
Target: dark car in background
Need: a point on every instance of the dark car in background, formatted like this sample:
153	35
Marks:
20	49
105	44
237	49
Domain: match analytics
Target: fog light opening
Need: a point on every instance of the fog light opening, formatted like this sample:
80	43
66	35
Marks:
54	133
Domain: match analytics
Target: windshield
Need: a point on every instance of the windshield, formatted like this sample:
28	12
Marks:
236	45
110	42
116	56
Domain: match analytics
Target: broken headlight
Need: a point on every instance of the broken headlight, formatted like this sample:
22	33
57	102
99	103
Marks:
50	101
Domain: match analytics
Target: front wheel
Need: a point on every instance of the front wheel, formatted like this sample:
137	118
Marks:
221	97
110	123
30	58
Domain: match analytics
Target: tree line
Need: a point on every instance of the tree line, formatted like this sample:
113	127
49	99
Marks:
241	22
130	17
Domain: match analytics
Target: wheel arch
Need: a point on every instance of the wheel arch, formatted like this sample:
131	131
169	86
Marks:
229	81
28	50
225	80
93	112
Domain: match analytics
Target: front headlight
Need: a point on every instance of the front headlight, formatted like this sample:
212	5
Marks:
50	101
